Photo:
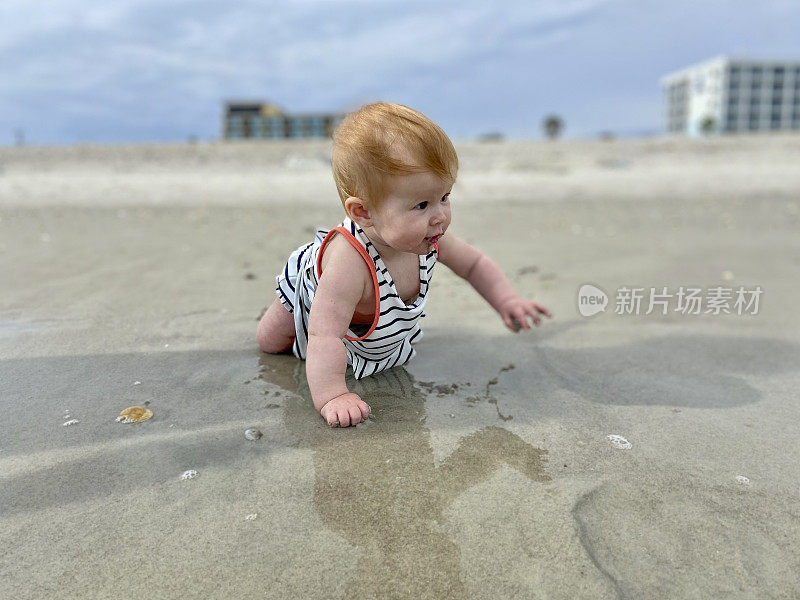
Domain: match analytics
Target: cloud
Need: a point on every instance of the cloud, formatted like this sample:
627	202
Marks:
148	70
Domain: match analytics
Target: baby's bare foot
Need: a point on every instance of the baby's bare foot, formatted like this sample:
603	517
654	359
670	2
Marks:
345	410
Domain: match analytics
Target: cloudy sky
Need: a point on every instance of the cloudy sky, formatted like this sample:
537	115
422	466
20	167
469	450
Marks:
160	70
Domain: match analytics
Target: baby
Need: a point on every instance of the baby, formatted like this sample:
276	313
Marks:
355	294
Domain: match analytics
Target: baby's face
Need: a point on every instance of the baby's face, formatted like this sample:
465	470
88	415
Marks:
415	214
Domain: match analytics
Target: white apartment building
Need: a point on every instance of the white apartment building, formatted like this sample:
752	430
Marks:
729	95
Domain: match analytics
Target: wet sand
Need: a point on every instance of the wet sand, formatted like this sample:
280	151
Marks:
486	470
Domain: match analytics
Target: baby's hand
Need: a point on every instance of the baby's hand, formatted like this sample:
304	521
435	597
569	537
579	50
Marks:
345	410
516	311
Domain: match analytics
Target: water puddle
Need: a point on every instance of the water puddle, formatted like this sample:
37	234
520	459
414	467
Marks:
378	486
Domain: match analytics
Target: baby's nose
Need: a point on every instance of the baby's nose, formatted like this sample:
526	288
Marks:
439	216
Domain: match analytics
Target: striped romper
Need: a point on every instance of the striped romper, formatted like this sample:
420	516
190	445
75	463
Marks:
370	348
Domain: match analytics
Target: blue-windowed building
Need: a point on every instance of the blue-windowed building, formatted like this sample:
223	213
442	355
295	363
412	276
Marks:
730	95
260	120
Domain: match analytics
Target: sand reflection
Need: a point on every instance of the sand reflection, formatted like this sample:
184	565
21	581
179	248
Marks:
378	487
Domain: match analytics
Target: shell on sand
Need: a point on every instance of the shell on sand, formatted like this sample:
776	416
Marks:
134	414
619	442
252	434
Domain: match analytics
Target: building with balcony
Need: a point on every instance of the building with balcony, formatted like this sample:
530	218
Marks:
260	120
730	95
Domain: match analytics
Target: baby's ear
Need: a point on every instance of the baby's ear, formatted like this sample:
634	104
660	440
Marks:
358	210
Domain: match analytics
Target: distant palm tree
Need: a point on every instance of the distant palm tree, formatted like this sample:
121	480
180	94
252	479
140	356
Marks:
552	125
707	125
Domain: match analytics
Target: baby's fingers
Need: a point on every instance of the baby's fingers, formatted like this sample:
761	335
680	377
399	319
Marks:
365	410
520	318
329	414
534	314
344	416
542	309
354	414
511	322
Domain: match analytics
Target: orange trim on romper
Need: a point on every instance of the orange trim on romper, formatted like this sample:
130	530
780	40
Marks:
349	237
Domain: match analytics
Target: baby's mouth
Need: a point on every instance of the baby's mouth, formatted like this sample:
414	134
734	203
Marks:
434	239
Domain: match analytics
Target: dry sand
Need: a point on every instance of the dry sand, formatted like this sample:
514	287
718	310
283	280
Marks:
135	275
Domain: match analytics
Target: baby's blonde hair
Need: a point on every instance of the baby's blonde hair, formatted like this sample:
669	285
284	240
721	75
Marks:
370	143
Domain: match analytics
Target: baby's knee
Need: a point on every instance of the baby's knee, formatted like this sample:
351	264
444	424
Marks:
270	340
264	340
272	346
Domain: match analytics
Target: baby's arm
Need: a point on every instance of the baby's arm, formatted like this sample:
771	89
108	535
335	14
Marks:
340	288
488	280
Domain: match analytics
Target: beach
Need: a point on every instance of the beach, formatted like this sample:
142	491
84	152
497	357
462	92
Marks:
135	276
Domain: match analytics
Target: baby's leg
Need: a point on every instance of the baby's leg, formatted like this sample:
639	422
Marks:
275	331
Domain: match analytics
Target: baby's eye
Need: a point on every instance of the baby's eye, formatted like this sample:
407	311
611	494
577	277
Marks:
422	205
446	197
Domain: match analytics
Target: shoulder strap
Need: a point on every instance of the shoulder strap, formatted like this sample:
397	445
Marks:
370	265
